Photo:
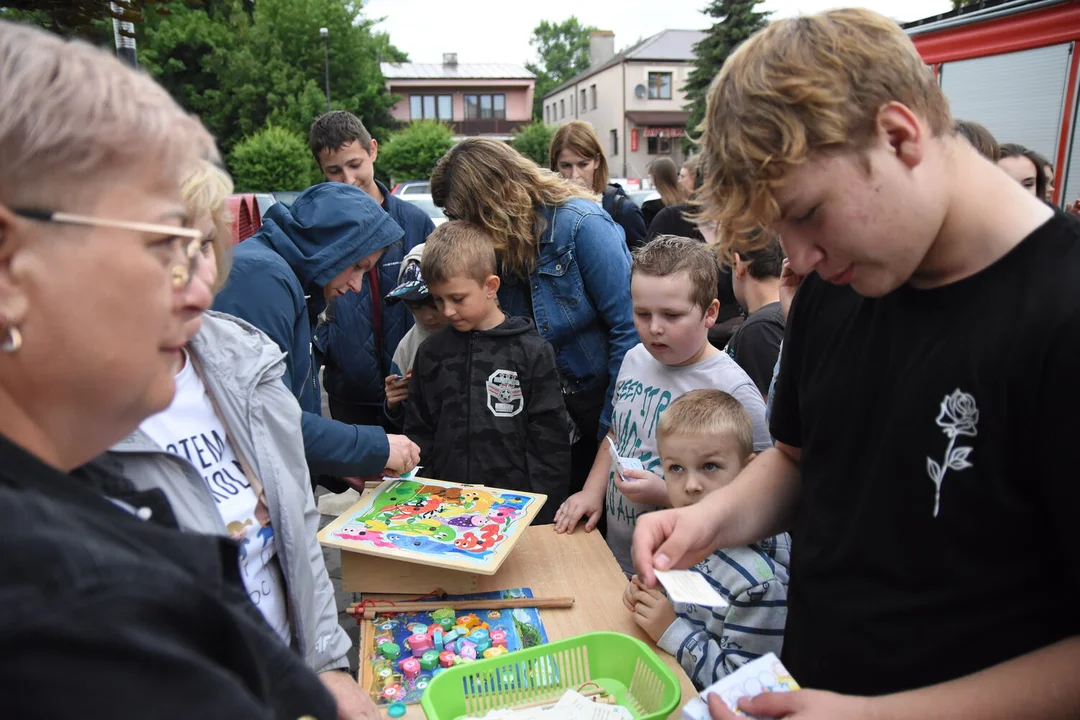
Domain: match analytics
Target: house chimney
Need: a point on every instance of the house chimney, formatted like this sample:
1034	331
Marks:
449	59
601	47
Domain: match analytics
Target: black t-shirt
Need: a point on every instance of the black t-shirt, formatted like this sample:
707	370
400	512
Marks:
756	343
972	387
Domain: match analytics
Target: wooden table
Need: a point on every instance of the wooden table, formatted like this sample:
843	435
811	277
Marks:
580	565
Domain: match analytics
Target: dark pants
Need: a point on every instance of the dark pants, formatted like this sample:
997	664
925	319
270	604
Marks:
585	409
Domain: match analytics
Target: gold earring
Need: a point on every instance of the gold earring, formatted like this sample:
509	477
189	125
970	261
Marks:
12	342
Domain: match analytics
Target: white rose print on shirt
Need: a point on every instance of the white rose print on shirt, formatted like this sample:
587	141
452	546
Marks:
959	415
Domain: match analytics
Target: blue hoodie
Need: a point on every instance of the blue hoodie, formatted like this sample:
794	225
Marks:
276	284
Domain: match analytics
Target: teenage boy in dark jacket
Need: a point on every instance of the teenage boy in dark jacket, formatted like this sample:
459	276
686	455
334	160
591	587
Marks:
485	401
361	332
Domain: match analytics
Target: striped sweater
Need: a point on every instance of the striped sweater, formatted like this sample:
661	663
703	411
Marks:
709	643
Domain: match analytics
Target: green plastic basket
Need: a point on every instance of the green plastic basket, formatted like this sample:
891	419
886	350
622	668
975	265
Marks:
623	666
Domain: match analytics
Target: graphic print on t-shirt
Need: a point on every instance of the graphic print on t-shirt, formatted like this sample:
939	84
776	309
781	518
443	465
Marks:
191	429
959	416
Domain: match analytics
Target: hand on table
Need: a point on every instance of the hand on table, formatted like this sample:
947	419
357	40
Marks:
404	455
798	705
397	389
642	486
352	702
668	539
580	504
652	610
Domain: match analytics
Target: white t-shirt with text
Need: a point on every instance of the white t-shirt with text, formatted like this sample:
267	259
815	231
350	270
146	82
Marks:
192	430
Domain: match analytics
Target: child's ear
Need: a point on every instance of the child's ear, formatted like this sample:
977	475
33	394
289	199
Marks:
711	313
492	285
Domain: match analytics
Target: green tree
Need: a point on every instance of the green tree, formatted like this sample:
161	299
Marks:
240	67
735	21
563	50
533	141
411	154
272	159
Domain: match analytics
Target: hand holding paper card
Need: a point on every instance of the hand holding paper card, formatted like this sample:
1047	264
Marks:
621	464
766	674
689	587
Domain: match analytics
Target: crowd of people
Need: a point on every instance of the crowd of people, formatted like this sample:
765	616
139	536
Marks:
795	342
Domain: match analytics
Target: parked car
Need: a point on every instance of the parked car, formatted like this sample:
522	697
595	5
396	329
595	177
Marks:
642	196
412	187
425	203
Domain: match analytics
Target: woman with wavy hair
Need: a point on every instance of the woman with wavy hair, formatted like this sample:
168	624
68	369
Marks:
563	263
575	153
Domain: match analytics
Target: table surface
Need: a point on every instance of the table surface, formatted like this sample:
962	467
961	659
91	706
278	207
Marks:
580	565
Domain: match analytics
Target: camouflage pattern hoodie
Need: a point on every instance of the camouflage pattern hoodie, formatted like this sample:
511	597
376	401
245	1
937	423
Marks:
486	407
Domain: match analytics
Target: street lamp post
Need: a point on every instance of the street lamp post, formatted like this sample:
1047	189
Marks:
325	34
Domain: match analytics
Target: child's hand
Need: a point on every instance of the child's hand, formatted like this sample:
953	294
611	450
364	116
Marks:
652	610
580	504
397	389
628	593
642	486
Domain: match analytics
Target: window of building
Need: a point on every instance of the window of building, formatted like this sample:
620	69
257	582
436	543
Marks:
592	91
659	86
659	145
562	108
547	114
614	140
485	107
431	107
583	105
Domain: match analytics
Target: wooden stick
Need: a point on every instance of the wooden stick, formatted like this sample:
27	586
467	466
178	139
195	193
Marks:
370	611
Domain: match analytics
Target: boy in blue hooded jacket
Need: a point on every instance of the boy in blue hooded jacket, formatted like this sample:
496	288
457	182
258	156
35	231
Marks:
282	277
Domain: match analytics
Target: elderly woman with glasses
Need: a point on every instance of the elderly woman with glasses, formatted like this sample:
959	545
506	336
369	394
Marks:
106	609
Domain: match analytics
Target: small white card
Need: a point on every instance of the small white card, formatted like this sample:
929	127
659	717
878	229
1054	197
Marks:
766	674
689	587
622	464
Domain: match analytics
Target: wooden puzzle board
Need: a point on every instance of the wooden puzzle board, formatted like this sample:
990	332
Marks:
471	528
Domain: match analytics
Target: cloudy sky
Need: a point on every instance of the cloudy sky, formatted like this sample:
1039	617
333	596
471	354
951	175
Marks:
481	31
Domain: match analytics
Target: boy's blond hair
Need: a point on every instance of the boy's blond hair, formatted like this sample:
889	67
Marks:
71	115
457	249
667	255
801	86
708	413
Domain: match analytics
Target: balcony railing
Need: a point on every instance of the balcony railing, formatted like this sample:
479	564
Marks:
487	126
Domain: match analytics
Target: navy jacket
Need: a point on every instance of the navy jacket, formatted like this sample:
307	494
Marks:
357	361
627	215
276	284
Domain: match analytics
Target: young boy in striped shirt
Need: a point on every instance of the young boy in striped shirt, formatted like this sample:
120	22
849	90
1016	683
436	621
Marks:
705	439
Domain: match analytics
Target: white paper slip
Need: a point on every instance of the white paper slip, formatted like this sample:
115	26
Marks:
766	674
687	586
622	464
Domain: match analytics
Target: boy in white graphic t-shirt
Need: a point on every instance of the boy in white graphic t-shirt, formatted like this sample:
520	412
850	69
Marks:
673	288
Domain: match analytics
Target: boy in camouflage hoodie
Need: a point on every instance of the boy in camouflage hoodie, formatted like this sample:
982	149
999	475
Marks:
485	402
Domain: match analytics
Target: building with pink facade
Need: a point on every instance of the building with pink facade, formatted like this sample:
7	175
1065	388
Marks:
489	100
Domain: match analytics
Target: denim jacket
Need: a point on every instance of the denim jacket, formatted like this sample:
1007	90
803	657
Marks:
579	296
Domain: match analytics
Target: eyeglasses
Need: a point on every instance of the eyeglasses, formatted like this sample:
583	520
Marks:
190	239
